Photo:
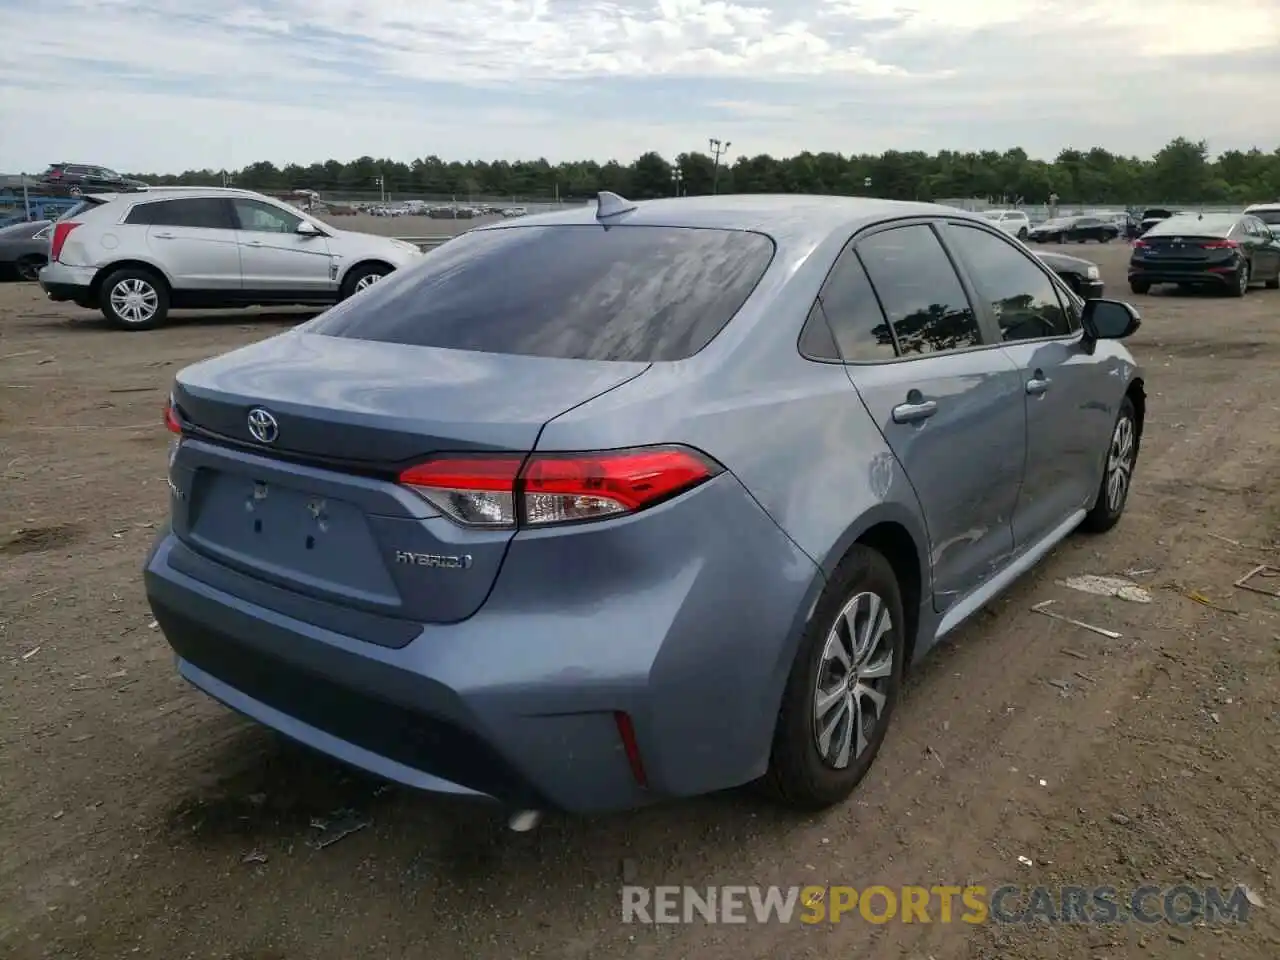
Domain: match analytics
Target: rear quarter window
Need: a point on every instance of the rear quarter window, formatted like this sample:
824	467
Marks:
586	292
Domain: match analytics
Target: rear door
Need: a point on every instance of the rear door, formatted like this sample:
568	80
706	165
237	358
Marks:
193	239
1264	251
948	404
1059	382
277	260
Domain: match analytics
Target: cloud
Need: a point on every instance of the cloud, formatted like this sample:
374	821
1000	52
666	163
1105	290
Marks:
153	85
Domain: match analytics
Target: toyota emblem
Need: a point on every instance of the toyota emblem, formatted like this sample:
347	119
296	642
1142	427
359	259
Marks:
263	426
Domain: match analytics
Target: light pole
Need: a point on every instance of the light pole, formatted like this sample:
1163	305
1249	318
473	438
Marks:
676	177
382	192
866	184
718	150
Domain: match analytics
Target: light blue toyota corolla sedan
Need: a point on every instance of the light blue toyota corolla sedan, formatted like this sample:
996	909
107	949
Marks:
639	500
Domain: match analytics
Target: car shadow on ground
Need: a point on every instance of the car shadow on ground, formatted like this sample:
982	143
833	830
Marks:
285	317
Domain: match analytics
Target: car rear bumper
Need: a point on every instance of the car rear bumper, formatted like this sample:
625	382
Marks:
63	283
1218	276
520	702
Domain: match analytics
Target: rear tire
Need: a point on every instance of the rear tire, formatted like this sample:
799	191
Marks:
1117	472
840	673
1022	234
1241	285
134	299
1139	286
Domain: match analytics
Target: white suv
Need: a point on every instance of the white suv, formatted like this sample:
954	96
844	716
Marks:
1013	222
135	255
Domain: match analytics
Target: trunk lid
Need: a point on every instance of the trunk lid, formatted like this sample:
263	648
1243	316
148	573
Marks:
317	511
1188	251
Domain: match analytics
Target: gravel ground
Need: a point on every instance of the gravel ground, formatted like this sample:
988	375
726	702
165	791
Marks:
141	819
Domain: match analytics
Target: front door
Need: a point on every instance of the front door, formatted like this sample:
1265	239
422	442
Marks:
950	408
276	260
1040	329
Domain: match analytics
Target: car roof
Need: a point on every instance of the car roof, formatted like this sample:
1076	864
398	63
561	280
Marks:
177	193
787	218
1262	207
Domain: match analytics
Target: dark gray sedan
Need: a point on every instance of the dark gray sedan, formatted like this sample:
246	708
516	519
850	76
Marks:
24	249
1082	276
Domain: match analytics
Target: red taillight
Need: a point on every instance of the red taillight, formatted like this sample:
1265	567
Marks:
171	421
1140	244
1220	245
55	173
477	491
631	746
60	233
545	489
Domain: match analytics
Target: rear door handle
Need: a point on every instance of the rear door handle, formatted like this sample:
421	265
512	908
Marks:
163	236
914	412
253	243
1038	384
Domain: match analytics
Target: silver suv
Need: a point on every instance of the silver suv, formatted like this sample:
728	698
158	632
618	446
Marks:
135	255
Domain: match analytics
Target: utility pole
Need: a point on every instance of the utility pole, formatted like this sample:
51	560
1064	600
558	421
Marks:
382	189
718	150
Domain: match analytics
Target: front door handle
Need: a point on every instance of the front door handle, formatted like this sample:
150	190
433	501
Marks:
253	243
914	412
163	236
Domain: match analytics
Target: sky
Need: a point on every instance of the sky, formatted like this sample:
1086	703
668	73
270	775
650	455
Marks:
160	86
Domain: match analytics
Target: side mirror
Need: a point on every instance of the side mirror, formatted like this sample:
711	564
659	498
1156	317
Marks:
1109	320
308	229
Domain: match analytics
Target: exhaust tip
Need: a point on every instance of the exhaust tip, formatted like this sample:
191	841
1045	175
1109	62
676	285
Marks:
524	820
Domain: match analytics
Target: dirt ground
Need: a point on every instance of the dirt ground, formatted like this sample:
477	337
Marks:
138	818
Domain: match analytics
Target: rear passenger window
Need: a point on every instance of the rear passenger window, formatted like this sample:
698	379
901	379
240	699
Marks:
860	329
1023	299
201	212
816	342
920	292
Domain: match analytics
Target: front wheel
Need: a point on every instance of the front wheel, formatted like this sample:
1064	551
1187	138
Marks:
842	688
1117	474
361	278
1139	286
1022	234
28	268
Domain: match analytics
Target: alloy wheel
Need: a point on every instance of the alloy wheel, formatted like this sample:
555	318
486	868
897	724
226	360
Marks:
368	280
134	300
854	675
1120	464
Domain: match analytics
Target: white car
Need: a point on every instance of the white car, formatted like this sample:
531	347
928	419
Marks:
1268	213
135	255
1013	222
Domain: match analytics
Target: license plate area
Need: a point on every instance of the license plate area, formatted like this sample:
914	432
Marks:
291	536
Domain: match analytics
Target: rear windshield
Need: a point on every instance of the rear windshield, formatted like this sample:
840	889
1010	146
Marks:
1269	217
1189	223
78	208
581	292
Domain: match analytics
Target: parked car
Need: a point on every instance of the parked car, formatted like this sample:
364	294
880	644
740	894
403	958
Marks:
134	256
640	500
1268	213
1075	230
1083	277
1151	216
1225	251
1013	222
24	249
77	179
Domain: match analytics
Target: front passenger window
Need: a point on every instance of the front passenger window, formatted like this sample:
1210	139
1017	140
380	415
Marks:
1022	297
258	217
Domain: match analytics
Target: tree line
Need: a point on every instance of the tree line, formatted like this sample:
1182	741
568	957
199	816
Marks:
1182	172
